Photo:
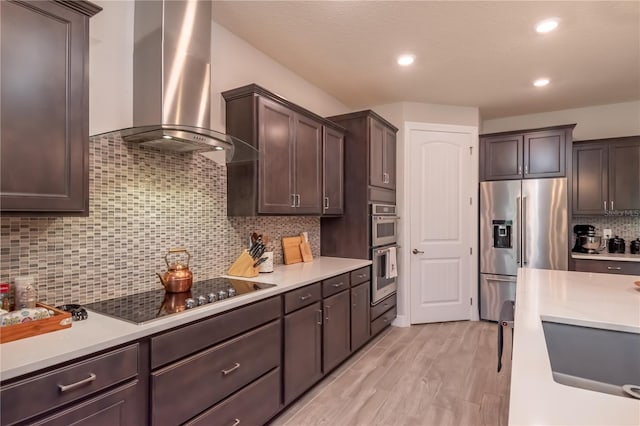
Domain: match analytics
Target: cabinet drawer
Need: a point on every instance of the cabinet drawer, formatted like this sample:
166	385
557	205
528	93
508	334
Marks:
301	297
170	346
360	275
608	266
383	321
118	407
188	387
383	306
253	405
38	394
335	285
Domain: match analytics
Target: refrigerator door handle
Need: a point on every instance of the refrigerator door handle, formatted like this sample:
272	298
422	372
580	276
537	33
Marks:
524	230
518	231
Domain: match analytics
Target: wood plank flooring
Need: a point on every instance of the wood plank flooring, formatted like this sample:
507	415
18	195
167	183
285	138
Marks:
423	375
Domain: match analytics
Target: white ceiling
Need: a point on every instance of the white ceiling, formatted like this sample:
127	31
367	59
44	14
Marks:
468	53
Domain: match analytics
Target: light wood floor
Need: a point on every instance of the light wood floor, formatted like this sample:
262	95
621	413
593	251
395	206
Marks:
432	374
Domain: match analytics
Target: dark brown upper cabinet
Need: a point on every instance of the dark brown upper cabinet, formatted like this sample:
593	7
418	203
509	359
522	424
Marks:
287	178
606	176
532	154
333	172
382	155
370	148
44	106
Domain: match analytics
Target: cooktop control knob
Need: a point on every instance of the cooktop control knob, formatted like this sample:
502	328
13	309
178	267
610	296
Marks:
202	300
231	292
211	297
189	303
222	295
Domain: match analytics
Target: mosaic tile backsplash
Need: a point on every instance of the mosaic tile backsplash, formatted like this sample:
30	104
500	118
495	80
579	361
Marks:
627	227
142	202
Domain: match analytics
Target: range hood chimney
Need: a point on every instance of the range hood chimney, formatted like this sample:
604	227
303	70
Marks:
172	81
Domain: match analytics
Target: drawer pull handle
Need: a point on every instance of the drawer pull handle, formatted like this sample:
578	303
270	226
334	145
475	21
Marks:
385	320
319	322
231	370
64	388
614	268
340	284
236	422
305	297
362	275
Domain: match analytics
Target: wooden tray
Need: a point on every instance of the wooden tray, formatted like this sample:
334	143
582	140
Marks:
59	321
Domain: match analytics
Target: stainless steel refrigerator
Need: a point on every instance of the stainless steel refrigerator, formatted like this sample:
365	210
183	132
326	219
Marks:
523	224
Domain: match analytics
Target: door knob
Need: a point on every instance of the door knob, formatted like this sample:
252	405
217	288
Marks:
416	251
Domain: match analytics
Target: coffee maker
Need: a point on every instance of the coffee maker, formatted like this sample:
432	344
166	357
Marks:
586	240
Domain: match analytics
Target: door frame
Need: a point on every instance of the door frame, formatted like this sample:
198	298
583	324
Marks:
404	207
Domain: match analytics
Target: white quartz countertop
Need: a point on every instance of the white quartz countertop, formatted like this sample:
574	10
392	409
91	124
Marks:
595	300
624	257
101	332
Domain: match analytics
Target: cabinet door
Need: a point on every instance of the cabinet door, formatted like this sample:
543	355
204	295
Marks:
44	108
333	172
501	157
624	175
544	154
302	350
336	337
389	159
360	303
589	179
276	133
308	165
376	153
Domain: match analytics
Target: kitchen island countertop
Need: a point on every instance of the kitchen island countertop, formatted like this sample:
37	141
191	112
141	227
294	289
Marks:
578	298
100	332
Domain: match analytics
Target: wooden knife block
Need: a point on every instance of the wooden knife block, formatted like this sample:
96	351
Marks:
243	266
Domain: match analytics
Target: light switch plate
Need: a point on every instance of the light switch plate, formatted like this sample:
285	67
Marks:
606	233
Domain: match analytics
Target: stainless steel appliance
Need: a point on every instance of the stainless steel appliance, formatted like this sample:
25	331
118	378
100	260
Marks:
586	240
384	225
384	236
141	308
523	223
383	280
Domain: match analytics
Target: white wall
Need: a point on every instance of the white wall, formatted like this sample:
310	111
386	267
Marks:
594	122
111	67
234	63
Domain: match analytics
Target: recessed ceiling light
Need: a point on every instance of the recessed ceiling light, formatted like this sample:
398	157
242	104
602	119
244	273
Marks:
547	25
541	82
405	60
166	137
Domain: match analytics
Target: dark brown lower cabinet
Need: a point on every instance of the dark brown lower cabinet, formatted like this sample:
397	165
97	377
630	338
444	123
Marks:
360	315
382	314
336	335
184	389
302	350
253	405
607	266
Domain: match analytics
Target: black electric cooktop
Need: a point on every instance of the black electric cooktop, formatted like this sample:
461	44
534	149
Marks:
144	307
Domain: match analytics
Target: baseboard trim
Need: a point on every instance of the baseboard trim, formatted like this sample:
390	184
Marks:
401	321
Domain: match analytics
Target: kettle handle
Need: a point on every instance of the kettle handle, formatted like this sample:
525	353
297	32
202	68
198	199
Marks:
177	250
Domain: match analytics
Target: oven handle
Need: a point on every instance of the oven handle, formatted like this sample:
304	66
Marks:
378	217
380	251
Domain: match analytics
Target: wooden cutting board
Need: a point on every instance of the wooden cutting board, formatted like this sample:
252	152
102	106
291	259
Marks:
291	249
305	250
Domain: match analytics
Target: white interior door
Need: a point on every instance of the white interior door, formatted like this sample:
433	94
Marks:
443	216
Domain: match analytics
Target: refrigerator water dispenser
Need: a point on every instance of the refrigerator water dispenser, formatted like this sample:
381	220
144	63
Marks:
502	233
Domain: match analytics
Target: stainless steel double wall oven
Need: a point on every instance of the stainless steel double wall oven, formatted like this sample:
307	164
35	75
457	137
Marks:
384	236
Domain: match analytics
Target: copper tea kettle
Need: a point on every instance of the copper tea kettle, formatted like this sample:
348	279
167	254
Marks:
178	278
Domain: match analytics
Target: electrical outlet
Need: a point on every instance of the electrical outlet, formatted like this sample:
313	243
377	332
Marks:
606	233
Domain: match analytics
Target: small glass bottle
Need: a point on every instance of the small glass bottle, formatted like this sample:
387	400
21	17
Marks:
25	292
4	297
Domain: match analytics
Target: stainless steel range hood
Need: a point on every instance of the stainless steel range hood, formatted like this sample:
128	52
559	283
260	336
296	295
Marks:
172	81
